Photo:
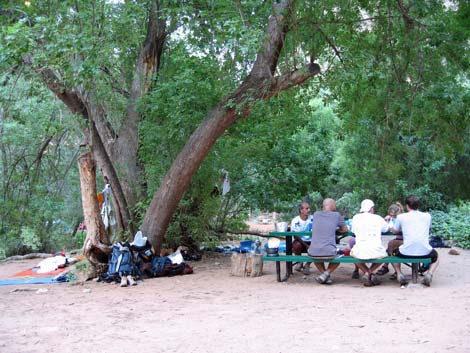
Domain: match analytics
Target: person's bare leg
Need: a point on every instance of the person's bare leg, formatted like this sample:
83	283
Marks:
320	266
400	276
297	250
364	268
331	267
427	280
374	267
433	267
392	245
397	268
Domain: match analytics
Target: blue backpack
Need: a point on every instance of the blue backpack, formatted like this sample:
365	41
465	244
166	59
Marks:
163	267
120	263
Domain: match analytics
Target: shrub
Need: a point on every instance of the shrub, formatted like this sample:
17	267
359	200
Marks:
453	224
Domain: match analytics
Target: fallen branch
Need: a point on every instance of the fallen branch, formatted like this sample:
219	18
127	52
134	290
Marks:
35	255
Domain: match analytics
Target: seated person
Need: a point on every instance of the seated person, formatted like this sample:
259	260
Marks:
368	228
302	223
393	211
323	245
415	226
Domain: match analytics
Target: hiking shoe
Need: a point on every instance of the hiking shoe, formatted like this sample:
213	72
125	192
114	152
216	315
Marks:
123	281
306	269
131	281
323	278
328	281
382	271
355	274
298	267
427	280
402	279
373	278
366	281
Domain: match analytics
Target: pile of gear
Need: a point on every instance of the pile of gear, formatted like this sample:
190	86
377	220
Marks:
137	260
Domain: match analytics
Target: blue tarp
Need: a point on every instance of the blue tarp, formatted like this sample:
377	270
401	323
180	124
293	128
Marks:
30	280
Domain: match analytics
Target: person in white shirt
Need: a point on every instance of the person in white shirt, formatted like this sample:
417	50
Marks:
368	228
302	223
415	226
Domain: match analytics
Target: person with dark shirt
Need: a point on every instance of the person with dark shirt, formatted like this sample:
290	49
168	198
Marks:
323	245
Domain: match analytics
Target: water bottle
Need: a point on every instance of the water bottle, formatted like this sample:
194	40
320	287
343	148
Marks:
257	246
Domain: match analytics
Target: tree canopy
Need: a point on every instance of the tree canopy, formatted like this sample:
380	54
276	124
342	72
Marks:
293	99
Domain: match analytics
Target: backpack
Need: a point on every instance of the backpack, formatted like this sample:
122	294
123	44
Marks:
158	266
143	256
436	242
143	253
120	263
163	267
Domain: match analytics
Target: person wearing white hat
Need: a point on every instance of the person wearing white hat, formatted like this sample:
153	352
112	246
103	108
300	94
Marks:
368	228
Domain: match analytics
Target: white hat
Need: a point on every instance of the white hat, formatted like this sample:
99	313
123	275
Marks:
366	205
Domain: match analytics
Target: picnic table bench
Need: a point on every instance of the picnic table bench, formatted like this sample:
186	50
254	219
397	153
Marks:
289	259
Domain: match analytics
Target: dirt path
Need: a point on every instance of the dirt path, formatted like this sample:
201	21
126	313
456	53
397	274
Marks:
210	311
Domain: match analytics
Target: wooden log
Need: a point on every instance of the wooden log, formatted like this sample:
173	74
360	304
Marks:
255	265
246	265
97	244
238	265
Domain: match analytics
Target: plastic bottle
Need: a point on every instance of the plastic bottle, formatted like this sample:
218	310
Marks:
257	246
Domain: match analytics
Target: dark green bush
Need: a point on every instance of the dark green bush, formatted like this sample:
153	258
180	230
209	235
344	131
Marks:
453	224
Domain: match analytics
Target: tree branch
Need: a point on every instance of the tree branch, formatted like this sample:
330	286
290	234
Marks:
331	44
43	148
266	61
70	98
238	5
404	10
294	78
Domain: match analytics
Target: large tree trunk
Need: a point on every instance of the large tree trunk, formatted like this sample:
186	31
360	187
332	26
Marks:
97	244
259	85
116	153
125	150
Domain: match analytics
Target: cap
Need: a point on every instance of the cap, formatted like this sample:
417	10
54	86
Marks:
366	205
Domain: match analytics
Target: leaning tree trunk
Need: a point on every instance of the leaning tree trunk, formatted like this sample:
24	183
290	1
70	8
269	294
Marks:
259	85
116	152
97	244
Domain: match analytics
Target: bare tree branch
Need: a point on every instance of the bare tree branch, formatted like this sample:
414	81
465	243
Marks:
331	44
41	152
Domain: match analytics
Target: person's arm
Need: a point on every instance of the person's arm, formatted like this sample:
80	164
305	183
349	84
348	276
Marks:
385	228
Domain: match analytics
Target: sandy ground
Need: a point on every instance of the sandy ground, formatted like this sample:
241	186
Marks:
210	311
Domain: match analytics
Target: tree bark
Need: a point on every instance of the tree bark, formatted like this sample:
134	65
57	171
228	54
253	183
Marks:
259	85
116	153
246	265
97	244
147	65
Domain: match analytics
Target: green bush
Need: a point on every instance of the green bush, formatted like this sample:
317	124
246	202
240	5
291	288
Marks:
453	224
30	239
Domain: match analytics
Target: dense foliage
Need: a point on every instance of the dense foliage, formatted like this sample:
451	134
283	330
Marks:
388	116
453	224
